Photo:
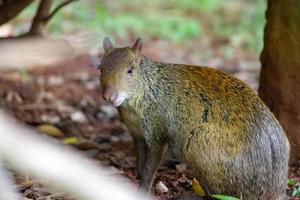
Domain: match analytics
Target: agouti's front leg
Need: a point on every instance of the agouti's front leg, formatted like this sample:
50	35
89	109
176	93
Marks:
141	153
154	155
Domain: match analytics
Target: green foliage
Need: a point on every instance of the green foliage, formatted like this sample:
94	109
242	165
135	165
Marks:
149	23
292	182
170	27
296	192
24	74
247	25
240	22
295	187
195	5
223	197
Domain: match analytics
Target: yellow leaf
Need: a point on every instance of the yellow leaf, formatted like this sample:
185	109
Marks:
199	191
71	140
50	130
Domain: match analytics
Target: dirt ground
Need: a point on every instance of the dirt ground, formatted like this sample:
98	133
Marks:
67	96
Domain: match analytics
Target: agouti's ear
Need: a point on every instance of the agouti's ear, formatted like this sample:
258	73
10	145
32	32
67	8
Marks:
137	47
107	44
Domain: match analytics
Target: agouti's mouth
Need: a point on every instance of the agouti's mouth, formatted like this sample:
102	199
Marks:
117	102
119	99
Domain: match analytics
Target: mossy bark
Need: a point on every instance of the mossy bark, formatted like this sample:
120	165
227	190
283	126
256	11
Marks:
280	74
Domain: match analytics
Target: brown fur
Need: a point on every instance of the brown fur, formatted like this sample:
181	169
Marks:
213	121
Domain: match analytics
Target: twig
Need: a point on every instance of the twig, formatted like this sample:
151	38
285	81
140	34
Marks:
57	9
42	15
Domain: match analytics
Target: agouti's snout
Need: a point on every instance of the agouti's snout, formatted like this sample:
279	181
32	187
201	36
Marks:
113	96
110	94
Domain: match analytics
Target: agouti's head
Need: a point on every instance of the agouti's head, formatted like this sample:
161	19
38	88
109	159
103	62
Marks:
120	71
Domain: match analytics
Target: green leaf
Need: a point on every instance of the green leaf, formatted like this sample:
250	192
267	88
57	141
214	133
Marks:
296	192
223	197
292	182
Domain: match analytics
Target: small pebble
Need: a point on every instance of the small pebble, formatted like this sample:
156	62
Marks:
84	76
84	102
114	139
90	85
298	171
40	80
78	116
180	167
108	111
50	119
55	80
160	187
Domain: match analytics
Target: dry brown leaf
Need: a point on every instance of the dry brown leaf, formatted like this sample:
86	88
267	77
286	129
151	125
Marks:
50	130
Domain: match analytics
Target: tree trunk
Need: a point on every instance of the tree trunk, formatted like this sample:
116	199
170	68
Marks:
40	18
280	74
11	9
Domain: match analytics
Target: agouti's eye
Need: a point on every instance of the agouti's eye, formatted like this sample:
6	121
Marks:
130	71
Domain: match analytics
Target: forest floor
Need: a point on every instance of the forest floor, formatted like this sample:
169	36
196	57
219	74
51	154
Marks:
67	96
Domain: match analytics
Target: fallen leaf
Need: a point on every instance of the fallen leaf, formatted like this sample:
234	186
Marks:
50	130
86	145
199	191
71	140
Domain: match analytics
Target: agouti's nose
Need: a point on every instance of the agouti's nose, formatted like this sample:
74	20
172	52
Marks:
109	94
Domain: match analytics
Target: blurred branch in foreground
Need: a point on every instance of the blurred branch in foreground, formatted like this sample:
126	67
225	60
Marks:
17	53
28	153
6	190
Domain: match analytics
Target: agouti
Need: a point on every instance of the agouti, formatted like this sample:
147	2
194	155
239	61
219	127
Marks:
212	120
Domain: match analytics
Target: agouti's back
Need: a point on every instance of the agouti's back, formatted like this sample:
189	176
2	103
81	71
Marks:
214	121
